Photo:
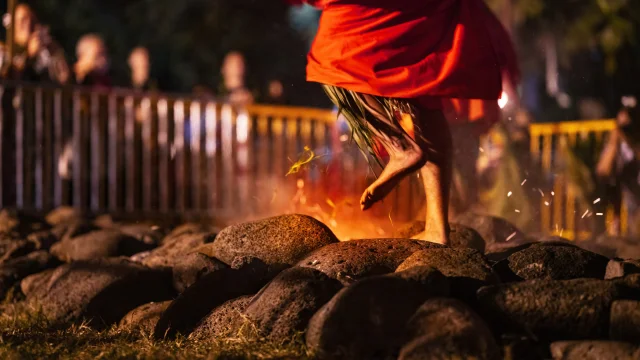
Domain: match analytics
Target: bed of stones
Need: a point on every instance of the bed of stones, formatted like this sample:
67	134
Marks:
495	293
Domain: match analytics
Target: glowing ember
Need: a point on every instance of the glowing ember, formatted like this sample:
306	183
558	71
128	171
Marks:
300	183
596	201
541	193
553	193
481	150
599	214
585	214
509	194
518	211
511	236
307	156
546	203
344	138
523	182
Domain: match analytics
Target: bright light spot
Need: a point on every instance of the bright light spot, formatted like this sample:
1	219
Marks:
344	138
599	214
300	183
596	201
585	214
546	203
541	193
553	193
504	99
511	236
518	211
523	182
509	194
242	128
564	100
481	150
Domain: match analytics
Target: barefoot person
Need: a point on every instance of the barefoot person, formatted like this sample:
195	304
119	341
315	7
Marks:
381	59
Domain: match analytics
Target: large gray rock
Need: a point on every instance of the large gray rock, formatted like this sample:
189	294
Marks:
557	261
460	236
551	309
594	350
21	223
35	286
173	249
63	215
624	324
101	291
98	244
187	269
367	319
151	234
187	229
350	261
448	329
278	240
145	317
14	270
615	246
497	233
284	307
467	269
224	321
245	277
617	268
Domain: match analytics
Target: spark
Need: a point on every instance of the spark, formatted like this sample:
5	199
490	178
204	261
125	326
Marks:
518	211
331	203
599	214
596	201
553	193
391	220
511	236
541	193
300	183
585	214
523	182
344	138
546	203
509	194
561	232
481	150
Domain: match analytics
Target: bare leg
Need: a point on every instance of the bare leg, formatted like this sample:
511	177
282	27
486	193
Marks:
433	135
405	157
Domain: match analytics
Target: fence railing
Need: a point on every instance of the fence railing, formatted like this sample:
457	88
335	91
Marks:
125	152
562	212
147	154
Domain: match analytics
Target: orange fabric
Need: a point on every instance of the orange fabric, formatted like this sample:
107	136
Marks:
472	110
406	48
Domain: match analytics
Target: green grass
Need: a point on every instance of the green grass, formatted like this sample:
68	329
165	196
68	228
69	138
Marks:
26	334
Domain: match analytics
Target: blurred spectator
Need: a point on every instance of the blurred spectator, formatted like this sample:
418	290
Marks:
233	73
275	93
140	66
46	58
618	168
92	66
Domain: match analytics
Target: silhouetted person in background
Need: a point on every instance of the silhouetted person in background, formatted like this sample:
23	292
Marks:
140	68
92	67
233	74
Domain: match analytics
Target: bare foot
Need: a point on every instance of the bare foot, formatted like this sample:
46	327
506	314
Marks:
398	167
433	237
